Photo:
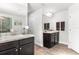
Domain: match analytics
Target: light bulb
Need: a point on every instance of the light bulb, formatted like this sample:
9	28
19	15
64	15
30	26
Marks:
26	27
11	30
49	14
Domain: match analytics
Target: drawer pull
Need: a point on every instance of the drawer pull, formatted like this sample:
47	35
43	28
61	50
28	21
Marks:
16	49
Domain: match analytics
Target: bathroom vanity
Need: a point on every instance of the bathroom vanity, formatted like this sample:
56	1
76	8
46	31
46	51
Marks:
17	45
50	38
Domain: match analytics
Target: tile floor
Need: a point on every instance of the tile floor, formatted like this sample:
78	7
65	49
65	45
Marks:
59	49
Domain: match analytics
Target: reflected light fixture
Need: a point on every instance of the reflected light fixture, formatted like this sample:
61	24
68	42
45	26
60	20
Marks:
26	27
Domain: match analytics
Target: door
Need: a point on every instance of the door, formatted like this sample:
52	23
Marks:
74	27
27	49
13	51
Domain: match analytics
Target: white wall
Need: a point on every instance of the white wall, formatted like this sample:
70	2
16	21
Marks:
35	24
74	27
58	17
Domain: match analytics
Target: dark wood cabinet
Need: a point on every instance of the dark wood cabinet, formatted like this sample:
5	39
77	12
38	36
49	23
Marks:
50	39
27	49
26	46
62	26
58	26
20	47
46	26
12	51
8	45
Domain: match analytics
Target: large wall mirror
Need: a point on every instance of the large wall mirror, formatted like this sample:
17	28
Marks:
5	24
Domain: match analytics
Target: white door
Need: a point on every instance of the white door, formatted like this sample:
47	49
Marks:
74	27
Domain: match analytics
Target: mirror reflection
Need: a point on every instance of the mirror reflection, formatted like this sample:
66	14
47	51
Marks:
5	24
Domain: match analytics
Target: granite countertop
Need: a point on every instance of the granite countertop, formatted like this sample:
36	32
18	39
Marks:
47	31
4	39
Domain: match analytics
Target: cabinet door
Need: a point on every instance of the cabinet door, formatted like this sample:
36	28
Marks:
62	26
8	45
13	51
27	49
58	26
52	39
47	40
56	38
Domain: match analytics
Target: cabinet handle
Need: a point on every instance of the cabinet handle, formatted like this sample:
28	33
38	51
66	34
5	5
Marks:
20	48
16	50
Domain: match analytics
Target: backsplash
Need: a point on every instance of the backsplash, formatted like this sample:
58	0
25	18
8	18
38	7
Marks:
5	34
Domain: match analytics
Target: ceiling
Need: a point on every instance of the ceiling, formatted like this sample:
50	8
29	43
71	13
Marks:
34	6
21	8
13	8
54	6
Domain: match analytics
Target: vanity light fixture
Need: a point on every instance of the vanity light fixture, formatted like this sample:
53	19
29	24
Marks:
49	14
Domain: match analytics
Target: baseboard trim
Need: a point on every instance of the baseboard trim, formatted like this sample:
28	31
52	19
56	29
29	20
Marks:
64	43
42	44
71	47
39	44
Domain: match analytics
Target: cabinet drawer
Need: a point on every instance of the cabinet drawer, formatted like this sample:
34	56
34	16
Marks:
46	35
9	52
8	45
26	40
